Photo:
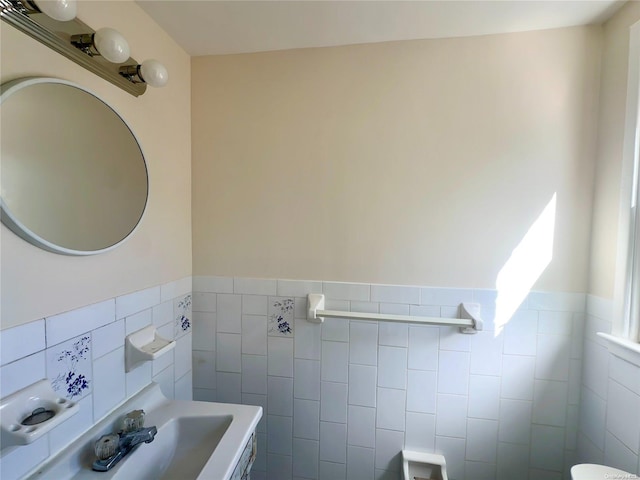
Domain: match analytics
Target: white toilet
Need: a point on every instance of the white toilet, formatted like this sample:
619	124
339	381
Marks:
591	471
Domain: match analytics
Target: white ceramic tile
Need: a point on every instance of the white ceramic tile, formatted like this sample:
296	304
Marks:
482	440
280	352
361	428
517	377
204	331
335	329
332	471
424	311
183	387
229	313
254	374
620	422
453	372
108	338
166	359
73	427
306	379
109	387
280	316
333	402
451	415
20	461
363	345
69	367
300	308
183	315
625	373
486	354
360	463
599	307
306	419
279	466
182	356
254	286
228	387
515	421
550	402
260	401
391	409
127	305
557	301
393	334
307	340
22	341
445	296
346	291
254	334
228	353
305	458
513	461
595	368
364	307
392	367
136	381
395	294
204	369
421	391
552	358
547	447
254	304
453	451
485	297
260	464
298	288
213	284
389	445
420	434
484	397
617	455
279	434
70	324
162	313
423	347
333	442
362	385
22	373
520	333
138	321
174	289
555	323
335	361
205	395
280	396
204	302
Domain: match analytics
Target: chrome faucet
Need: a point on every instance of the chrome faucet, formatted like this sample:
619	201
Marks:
126	442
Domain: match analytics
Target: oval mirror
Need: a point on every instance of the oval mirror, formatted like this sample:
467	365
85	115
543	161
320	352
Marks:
73	177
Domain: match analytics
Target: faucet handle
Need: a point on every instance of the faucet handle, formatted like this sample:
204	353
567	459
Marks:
106	446
133	421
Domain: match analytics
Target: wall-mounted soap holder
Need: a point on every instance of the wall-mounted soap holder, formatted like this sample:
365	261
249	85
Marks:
31	412
144	345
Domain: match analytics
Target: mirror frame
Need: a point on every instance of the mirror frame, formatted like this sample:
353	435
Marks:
14	224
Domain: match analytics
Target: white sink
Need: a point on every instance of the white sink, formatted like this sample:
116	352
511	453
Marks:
195	440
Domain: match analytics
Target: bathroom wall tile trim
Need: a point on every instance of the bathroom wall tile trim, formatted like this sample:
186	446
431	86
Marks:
342	399
81	352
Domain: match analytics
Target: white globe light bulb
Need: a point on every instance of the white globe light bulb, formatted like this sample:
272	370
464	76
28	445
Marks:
154	73
62	10
111	45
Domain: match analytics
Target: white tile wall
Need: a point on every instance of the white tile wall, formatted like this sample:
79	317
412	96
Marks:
343	398
31	352
609	426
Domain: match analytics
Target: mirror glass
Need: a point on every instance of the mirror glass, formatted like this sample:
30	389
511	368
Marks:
73	176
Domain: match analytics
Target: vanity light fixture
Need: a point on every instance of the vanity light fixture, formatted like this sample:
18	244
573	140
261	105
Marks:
104	52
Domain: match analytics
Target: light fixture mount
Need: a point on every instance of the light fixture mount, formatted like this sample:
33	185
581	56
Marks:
26	17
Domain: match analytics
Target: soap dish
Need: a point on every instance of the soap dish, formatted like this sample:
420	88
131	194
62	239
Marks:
145	345
31	412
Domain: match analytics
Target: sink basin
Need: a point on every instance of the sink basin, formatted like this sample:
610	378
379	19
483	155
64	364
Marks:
195	440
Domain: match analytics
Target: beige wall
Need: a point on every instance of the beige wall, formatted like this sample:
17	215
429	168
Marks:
615	58
418	162
36	283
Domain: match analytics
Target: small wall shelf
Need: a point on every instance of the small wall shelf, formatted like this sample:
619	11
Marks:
145	345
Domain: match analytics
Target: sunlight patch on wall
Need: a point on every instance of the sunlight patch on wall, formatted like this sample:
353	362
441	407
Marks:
525	265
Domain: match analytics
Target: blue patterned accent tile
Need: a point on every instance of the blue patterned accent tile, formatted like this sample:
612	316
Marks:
280	317
182	308
69	367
